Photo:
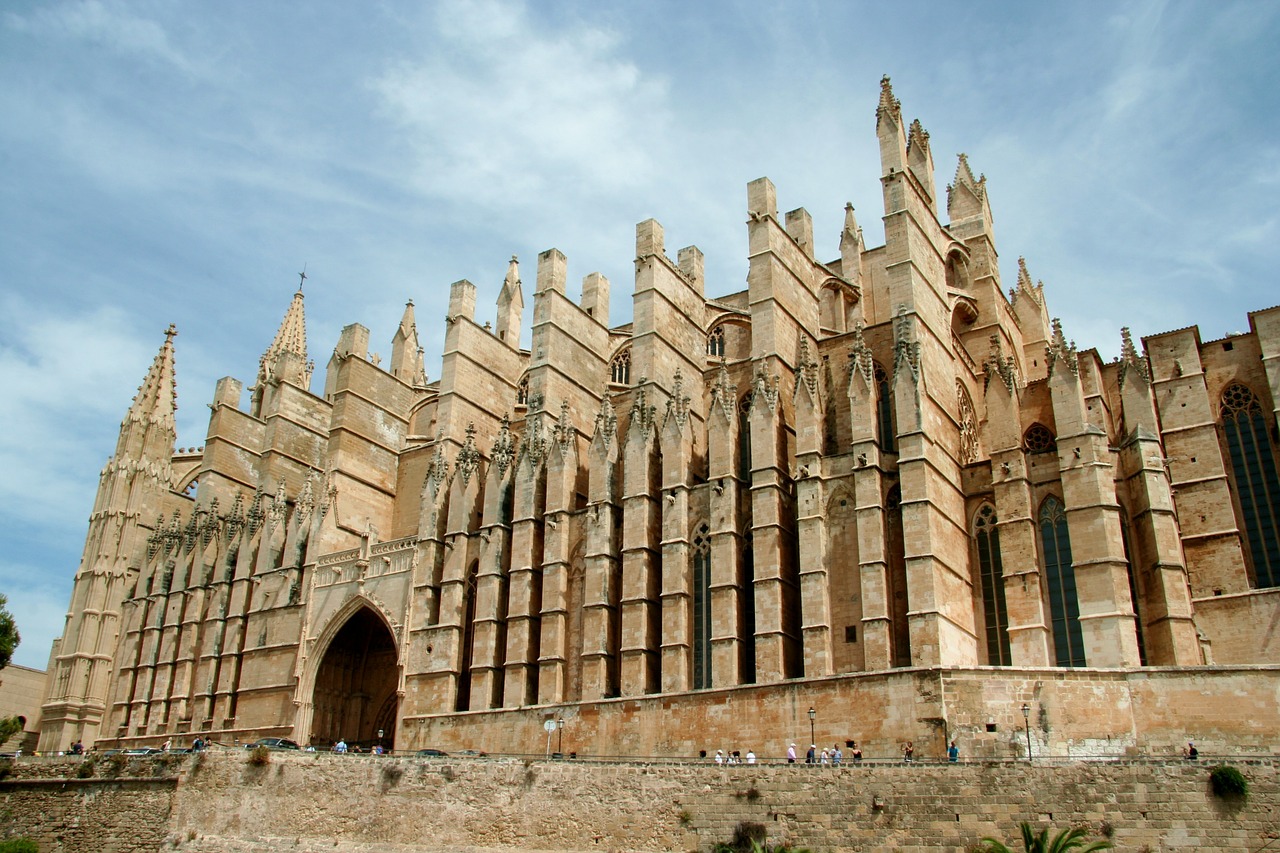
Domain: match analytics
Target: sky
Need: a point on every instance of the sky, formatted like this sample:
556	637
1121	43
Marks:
178	162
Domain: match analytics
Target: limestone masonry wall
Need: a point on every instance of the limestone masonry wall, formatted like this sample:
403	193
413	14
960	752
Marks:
310	802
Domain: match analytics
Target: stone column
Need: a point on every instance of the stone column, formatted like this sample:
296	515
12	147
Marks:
603	576
1093	517
641	526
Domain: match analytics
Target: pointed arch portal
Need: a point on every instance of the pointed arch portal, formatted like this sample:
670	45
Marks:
355	693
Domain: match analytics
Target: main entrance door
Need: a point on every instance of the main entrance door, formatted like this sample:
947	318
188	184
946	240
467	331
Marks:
355	693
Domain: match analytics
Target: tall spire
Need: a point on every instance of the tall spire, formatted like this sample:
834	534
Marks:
510	306
406	354
286	359
157	397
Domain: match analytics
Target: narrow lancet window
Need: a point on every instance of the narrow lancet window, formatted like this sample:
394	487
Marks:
991	572
884	412
702	608
1060	578
1253	466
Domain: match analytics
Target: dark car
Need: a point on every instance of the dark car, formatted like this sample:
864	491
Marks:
431	753
273	743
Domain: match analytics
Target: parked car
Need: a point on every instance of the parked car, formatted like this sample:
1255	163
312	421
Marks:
431	753
273	743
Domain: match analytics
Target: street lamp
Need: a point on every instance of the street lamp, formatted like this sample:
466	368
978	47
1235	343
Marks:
1026	719
380	734
560	736
812	715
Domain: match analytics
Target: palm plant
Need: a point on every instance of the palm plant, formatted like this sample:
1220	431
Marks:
1064	842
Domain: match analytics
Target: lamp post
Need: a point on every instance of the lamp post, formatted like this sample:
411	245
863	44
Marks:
1026	719
560	736
380	734
813	713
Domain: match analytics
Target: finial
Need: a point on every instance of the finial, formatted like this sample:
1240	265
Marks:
169	333
302	277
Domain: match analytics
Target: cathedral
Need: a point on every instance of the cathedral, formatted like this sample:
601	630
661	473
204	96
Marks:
876	495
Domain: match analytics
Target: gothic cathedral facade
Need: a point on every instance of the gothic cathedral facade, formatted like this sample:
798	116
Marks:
876	484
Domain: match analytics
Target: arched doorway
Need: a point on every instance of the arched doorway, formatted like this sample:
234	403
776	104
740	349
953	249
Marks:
355	693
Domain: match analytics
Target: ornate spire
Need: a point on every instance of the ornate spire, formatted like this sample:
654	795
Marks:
724	393
965	181
678	404
806	370
157	397
290	341
606	421
764	389
999	365
406	354
1131	362
642	413
917	137
1059	350
1024	287
906	350
889	106
512	281
437	472
860	361
510	306
504	447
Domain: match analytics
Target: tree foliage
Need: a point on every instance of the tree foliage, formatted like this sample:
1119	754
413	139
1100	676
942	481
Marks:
1064	842
9	636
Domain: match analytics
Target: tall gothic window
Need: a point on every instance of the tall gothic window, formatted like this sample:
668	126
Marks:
744	437
715	342
522	391
620	368
995	614
1060	578
884	412
702	608
1253	464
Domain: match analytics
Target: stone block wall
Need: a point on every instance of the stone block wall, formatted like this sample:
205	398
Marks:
222	803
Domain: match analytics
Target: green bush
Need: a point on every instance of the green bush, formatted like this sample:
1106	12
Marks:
1228	782
85	770
259	756
18	845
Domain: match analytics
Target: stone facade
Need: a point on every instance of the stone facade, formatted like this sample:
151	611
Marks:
876	481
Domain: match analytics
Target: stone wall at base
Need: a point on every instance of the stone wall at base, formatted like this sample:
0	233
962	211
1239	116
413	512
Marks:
311	802
88	815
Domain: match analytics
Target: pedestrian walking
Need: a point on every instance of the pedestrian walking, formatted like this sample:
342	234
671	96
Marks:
953	753
791	754
811	756
836	755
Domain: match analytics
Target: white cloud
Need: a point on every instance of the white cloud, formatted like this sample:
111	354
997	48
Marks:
66	377
503	112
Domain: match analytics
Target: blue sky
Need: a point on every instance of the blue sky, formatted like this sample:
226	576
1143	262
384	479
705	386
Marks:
179	162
